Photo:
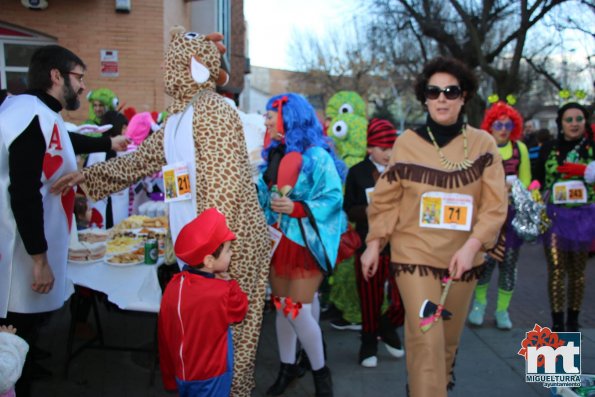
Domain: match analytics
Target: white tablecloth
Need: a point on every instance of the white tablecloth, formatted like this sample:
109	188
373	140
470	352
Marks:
130	288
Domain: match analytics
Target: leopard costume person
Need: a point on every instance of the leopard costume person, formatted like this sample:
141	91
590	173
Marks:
221	177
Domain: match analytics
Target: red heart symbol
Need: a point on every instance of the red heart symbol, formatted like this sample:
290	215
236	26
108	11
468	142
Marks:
68	205
96	218
51	164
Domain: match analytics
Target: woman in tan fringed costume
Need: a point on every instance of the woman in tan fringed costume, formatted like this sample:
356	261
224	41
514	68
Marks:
440	204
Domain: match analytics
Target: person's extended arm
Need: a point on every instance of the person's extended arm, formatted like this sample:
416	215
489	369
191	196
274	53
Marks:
111	176
383	211
87	144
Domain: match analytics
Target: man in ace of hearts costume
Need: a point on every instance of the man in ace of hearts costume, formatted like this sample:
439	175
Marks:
204	134
33	273
35	151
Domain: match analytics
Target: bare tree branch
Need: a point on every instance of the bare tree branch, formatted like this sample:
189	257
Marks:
544	73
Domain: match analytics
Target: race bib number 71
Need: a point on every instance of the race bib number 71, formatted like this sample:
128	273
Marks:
440	210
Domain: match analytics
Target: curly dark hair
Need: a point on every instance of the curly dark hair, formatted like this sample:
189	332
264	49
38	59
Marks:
454	67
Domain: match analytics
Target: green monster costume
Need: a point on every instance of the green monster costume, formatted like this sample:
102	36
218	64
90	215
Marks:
346	102
348	130
104	95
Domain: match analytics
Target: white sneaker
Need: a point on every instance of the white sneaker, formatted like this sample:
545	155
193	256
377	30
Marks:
370	362
395	352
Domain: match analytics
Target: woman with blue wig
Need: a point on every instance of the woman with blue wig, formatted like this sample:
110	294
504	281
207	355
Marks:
311	222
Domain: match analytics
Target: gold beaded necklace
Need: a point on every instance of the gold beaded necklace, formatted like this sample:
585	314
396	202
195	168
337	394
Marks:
449	164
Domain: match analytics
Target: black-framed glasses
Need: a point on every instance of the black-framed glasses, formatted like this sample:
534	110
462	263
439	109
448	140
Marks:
578	119
450	92
79	76
499	125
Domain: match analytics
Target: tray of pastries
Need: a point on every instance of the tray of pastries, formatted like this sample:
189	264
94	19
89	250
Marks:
126	259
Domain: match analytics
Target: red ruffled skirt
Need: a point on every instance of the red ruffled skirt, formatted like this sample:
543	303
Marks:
293	261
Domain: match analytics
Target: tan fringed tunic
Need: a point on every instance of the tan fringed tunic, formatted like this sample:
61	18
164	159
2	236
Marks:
394	212
420	256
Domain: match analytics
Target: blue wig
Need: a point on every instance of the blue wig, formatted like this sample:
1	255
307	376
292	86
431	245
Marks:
302	131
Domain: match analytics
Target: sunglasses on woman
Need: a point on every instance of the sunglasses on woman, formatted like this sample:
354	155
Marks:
579	119
499	125
450	92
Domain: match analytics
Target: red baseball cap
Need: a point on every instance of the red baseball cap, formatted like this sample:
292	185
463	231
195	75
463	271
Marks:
202	237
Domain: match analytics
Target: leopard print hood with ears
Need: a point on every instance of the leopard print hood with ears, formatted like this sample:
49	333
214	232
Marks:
184	46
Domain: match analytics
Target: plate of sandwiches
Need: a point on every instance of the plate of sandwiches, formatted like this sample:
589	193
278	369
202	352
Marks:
81	252
126	259
92	235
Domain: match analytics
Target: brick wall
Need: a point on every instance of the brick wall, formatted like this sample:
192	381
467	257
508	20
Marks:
86	27
237	57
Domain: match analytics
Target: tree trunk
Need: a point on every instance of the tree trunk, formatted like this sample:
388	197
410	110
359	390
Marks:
474	110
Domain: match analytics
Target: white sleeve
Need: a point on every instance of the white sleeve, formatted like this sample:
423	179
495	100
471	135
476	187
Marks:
590	173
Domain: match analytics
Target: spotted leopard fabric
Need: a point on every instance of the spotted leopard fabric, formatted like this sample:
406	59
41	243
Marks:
223	180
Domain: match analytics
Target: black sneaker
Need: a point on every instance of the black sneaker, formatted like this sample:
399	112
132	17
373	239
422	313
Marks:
388	334
344	325
392	342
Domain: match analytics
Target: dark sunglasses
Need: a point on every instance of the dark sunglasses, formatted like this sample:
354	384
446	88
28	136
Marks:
450	92
498	125
579	119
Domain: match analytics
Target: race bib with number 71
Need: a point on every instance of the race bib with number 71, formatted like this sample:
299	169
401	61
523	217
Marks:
441	210
176	182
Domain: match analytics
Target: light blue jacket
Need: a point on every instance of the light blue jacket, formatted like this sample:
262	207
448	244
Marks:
319	187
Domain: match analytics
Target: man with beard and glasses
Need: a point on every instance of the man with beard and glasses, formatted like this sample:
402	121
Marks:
35	150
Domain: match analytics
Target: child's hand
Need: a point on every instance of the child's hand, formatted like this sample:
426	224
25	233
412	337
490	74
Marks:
223	276
9	329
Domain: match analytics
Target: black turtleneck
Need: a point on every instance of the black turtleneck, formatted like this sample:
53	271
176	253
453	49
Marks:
442	133
25	163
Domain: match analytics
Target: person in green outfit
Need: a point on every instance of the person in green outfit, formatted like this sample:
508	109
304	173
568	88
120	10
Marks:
506	125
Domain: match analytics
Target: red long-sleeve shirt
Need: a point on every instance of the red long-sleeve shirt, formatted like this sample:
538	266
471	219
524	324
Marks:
196	311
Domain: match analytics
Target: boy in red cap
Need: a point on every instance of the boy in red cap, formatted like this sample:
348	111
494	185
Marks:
359	185
198	306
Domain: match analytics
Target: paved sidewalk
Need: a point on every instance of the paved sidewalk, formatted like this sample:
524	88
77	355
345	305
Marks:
487	363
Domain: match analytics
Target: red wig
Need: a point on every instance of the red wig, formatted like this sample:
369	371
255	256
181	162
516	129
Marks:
498	110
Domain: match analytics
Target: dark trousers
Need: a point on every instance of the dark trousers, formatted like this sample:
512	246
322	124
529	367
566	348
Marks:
372	295
27	325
